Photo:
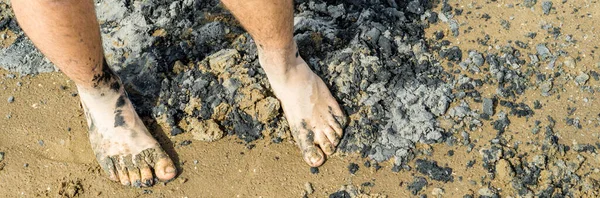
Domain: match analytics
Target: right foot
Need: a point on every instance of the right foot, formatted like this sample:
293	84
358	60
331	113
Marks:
122	144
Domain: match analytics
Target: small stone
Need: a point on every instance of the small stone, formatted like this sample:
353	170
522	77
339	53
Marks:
546	7
182	180
352	168
267	109
542	51
504	171
486	192
195	161
529	3
26	165
1	156
41	142
224	59
308	188
545	88
207	130
476	58
582	79
505	24
570	62
437	192
488	106
314	170
11	99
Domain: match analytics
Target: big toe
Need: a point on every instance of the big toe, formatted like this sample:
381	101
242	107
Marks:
165	169
313	156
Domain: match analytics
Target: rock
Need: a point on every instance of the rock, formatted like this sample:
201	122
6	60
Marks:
433	171
476	58
504	171
308	188
314	170
582	79
539	160
352	168
488	107
223	59
438	192
267	109
70	189
546	7
545	88
542	51
11	99
1	156
207	130
417	185
529	3
570	62
487	192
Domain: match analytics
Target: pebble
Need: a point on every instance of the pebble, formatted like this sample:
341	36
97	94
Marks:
582	78
437	192
570	62
11	99
1	156
314	170
543	51
486	192
352	168
529	3
488	106
546	7
308	188
545	88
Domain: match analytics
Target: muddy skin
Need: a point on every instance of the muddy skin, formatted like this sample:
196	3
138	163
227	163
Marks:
123	146
341	120
105	77
119	120
120	101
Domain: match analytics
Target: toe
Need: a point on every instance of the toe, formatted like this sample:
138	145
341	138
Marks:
332	136
109	168
313	156
338	115
147	179
123	174
164	167
324	142
337	131
134	177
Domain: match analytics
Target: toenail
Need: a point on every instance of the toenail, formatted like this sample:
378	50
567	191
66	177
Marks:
169	169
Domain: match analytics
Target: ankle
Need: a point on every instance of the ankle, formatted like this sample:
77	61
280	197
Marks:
279	61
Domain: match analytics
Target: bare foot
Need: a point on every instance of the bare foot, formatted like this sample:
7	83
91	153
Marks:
122	144
315	117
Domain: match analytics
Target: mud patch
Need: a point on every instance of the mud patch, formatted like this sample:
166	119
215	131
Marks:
70	188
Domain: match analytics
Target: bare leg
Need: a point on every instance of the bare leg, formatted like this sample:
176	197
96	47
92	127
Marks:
314	116
67	32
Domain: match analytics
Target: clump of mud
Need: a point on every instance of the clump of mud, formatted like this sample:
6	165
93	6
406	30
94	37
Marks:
192	67
70	189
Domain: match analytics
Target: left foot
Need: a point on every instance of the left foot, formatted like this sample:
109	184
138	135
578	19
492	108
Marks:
314	116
